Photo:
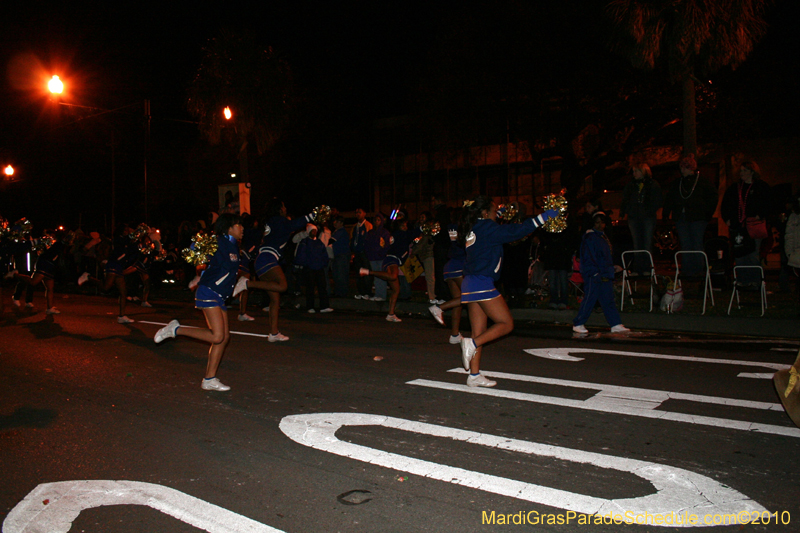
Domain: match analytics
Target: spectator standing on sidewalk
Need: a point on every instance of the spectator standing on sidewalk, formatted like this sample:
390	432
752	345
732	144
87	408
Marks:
376	248
357	241
692	201
312	256
340	242
556	251
597	269
745	207
641	199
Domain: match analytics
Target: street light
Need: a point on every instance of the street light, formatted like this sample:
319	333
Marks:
227	113
8	171
55	85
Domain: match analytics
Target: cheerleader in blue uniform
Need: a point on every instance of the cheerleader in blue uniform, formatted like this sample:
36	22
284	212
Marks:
215	286
45	269
271	278
123	255
453	275
143	263
399	246
483	239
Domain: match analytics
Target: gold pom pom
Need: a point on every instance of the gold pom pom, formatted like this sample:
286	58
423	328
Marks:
558	203
202	248
140	231
507	212
431	228
43	244
321	214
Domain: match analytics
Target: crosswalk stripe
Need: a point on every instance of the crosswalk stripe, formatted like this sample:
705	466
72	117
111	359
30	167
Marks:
614	405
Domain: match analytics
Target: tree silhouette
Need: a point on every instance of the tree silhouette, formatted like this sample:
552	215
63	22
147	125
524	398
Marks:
697	37
257	85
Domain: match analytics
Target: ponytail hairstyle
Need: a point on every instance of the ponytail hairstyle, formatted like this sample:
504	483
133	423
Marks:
470	215
225	222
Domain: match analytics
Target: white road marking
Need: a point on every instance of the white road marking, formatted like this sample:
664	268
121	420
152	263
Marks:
783	349
676	490
633	393
617	402
195	327
556	353
52	507
755	375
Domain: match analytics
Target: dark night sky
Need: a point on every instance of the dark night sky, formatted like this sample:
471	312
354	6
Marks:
359	60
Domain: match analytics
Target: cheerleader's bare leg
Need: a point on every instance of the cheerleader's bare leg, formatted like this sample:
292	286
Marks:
390	275
274	282
454	284
495	309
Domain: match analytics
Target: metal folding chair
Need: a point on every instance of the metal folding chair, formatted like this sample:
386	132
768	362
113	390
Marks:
707	288
737	285
627	276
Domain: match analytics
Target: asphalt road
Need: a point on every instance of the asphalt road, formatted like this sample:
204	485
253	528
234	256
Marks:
103	430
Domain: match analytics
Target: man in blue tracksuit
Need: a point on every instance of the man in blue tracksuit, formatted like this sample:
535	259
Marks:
597	269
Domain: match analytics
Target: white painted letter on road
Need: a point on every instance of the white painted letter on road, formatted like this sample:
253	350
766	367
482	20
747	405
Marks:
66	499
676	490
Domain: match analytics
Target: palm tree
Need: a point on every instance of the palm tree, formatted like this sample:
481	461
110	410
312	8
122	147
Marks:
254	82
697	37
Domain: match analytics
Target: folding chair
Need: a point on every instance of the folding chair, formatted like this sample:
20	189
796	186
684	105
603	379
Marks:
737	285
707	288
627	262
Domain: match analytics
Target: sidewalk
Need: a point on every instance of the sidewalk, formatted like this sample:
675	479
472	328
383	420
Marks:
655	320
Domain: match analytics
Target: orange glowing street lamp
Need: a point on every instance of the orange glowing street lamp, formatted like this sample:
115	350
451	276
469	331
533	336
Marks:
8	171
227	113
55	85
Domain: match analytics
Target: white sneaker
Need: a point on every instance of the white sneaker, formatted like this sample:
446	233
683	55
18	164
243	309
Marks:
277	338
357	296
467	351
619	328
15	302
377	299
83	278
265	309
167	332
125	320
456	339
363	272
480	381
146	304
580	329
437	313
435	302
393	318
326	310
311	311
244	317
241	285
29	305
52	311
213	384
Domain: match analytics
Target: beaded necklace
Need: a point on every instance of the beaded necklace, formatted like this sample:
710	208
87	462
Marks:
680	186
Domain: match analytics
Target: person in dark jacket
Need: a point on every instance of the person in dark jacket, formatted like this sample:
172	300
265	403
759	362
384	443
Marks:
357	242
216	285
745	207
313	257
641	199
597	269
692	201
340	242
376	246
555	252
